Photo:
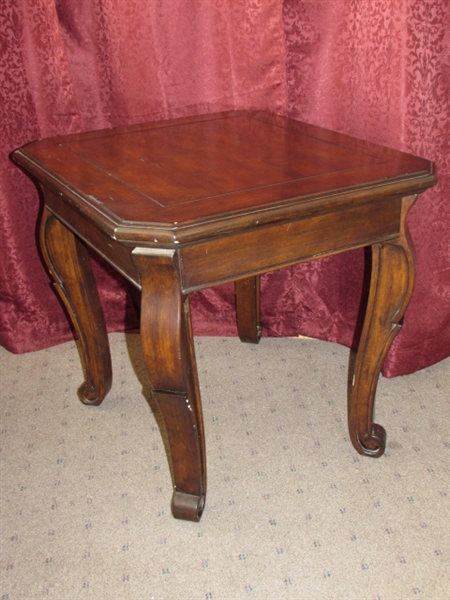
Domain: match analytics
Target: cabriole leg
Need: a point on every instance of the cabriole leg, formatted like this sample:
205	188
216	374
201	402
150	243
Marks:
391	288
68	261
247	293
168	348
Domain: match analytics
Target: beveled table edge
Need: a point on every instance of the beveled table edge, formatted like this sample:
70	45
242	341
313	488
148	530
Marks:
173	234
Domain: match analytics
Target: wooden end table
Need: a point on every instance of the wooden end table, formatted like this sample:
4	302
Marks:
185	204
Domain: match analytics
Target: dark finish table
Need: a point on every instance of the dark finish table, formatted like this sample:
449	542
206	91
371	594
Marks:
185	204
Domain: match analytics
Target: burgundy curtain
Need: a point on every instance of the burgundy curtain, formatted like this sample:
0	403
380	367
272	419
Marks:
377	69
71	65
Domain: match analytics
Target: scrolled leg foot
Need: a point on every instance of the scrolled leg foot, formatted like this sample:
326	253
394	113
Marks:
187	506
373	444
89	395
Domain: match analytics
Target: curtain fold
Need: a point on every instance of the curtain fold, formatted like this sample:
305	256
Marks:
380	70
376	69
72	65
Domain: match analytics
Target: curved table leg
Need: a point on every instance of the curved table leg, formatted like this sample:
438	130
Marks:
68	261
168	348
391	288
247	293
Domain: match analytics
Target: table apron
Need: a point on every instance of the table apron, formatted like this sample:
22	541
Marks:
219	260
268	248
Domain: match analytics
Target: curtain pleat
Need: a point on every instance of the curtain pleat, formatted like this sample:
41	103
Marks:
376	69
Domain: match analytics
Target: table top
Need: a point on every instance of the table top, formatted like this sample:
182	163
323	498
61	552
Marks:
190	178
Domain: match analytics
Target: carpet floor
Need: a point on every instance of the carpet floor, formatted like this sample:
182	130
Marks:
292	511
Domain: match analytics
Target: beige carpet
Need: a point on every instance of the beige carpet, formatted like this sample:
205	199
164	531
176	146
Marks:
293	512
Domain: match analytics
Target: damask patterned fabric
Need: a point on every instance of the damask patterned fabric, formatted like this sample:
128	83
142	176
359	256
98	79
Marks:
380	70
375	69
72	65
